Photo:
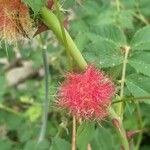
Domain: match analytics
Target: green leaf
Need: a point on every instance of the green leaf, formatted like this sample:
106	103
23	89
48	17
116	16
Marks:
81	42
110	32
28	131
34	112
90	8
145	110
106	15
76	25
5	144
103	140
125	19
104	53
141	62
60	144
141	40
144	7
33	145
13	121
138	85
129	3
35	5
145	147
85	134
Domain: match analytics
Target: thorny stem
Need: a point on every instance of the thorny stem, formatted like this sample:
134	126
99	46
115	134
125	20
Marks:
119	128
53	23
46	101
125	61
74	133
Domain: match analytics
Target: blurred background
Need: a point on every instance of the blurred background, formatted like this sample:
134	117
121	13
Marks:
22	76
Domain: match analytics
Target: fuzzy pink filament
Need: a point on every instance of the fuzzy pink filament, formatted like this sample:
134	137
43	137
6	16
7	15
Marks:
87	95
15	21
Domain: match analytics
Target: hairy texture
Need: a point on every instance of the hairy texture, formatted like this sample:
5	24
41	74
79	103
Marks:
15	21
87	95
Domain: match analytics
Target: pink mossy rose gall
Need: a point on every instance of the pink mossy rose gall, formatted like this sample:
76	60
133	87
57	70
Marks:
87	95
15	21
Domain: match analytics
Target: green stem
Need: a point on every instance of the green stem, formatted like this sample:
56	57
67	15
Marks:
46	101
64	35
125	61
120	129
53	23
141	18
74	134
118	5
7	109
139	15
132	99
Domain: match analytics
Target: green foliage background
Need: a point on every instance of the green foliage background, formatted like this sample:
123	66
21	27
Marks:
101	31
